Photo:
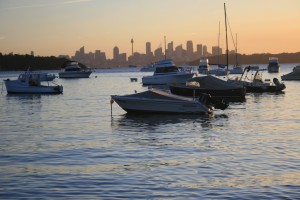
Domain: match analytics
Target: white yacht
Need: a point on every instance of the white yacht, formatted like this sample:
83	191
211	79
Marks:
73	70
166	72
203	66
273	66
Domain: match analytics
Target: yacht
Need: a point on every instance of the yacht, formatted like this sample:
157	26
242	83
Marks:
166	72
203	66
73	70
273	66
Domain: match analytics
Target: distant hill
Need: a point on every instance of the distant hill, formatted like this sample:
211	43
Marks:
253	59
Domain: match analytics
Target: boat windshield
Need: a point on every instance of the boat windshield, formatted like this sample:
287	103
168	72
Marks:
258	77
72	68
166	69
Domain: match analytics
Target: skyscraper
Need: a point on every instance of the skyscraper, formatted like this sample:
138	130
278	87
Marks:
170	51
148	48
189	50
205	53
199	50
116	53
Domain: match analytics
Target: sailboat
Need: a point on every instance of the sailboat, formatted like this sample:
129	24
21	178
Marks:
237	69
220	71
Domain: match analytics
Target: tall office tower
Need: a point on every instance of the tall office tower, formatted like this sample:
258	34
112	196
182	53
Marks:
81	52
205	53
179	52
148	48
158	54
116	53
189	49
199	50
170	51
100	57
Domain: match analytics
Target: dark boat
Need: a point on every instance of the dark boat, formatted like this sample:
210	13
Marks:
257	84
218	89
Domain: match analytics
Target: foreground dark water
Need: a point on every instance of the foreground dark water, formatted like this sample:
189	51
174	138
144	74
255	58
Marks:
69	145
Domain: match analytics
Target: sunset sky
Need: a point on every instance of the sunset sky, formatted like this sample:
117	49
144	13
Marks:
55	27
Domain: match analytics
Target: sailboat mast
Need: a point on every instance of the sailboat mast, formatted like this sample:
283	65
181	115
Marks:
236	53
219	45
226	36
165	48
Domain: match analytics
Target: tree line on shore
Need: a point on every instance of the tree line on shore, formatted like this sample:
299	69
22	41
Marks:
22	62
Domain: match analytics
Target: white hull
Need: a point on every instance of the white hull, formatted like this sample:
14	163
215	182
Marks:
171	104
75	74
180	77
16	87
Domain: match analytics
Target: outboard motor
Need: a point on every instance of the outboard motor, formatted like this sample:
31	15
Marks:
209	101
280	86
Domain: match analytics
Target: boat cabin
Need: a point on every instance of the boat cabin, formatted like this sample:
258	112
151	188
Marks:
30	79
166	70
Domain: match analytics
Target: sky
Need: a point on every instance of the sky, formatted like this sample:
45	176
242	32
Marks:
60	27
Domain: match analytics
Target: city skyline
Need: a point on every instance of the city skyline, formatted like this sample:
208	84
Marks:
61	26
178	53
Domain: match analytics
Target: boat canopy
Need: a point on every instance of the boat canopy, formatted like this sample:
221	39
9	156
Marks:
210	82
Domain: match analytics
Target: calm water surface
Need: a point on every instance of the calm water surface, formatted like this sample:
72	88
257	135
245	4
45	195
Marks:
69	145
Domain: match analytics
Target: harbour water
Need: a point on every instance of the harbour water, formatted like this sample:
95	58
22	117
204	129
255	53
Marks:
69	146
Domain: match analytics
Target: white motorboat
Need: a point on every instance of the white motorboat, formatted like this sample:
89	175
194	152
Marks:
294	75
30	83
73	70
166	72
157	101
203	67
257	84
273	66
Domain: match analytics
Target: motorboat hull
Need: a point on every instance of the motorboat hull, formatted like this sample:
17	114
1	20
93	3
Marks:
16	87
74	74
160	103
294	75
291	77
166	79
228	95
